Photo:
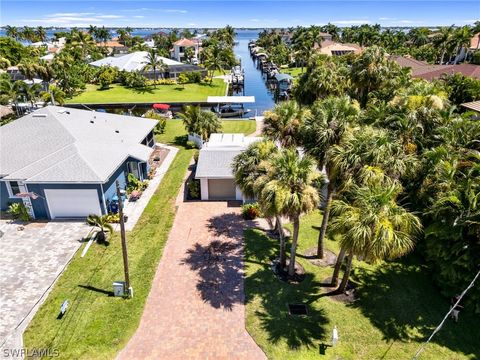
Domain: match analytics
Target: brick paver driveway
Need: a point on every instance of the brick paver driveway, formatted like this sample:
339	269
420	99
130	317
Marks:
195	309
30	261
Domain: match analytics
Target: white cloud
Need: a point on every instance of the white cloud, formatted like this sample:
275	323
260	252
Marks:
351	22
192	24
109	16
70	14
386	18
174	11
139	16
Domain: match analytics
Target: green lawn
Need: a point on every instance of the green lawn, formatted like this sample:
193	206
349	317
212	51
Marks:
295	72
397	308
162	93
97	326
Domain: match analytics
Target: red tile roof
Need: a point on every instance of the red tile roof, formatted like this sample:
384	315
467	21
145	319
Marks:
185	42
431	72
404	61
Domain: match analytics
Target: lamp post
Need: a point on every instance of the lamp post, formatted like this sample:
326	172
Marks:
124	242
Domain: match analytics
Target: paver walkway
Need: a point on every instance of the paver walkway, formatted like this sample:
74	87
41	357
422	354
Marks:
31	261
195	309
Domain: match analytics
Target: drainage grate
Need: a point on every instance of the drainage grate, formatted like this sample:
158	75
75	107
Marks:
297	309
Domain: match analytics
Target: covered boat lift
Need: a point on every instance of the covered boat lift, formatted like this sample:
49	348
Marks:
228	110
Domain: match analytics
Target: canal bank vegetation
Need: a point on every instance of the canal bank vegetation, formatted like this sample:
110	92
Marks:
98	325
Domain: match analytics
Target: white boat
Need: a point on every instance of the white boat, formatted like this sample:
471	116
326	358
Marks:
229	111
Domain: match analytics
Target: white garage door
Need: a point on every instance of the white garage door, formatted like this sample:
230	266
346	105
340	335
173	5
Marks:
64	203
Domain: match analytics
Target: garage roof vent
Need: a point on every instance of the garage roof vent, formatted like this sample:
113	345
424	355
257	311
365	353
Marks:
40	115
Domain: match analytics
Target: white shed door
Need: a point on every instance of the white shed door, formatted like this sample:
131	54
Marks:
72	203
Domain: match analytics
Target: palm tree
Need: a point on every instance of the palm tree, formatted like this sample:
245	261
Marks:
287	187
248	167
461	38
12	90
101	222
41	34
155	63
443	40
12	31
28	34
200	122
283	124
32	92
82	41
28	69
372	224
324	129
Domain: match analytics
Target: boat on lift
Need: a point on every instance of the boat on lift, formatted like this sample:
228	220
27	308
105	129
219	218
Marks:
230	106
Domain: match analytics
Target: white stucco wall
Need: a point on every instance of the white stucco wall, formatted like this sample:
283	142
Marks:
204	189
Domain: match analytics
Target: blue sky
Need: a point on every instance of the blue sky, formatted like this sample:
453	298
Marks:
245	13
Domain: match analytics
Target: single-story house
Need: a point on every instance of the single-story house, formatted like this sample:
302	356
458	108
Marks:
333	48
114	46
426	71
64	163
214	166
137	61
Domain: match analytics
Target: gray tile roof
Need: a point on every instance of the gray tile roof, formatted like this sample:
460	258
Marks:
216	163
56	144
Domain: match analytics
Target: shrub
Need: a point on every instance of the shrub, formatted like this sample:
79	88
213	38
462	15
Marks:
191	145
106	76
196	155
162	82
194	77
113	218
135	185
162	121
251	211
19	211
193	187
133	79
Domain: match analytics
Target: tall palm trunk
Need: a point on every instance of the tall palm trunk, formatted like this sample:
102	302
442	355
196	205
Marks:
346	274
443	56
338	265
293	251
283	250
326	215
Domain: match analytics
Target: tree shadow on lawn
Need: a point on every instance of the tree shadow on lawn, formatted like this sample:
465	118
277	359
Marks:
141	91
275	295
400	300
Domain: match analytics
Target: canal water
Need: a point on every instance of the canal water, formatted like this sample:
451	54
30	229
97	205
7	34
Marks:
255	84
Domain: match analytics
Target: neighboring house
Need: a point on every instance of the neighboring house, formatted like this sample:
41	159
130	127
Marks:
472	106
68	160
137	61
214	167
423	70
332	48
475	42
114	47
178	51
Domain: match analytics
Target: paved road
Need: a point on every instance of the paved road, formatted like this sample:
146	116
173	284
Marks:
195	309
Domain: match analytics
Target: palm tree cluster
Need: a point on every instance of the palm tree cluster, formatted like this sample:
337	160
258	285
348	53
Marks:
394	157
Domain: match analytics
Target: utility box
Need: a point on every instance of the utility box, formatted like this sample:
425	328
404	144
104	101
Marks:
118	288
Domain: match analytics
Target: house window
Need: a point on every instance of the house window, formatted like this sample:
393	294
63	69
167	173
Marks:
13	188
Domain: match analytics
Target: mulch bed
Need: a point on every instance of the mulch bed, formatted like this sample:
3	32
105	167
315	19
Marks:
329	257
348	297
282	274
